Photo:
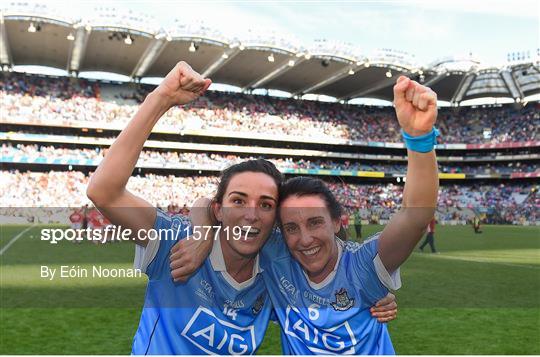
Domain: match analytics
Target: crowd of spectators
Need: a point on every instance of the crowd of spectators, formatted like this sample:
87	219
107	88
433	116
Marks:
68	188
213	161
63	100
505	203
67	101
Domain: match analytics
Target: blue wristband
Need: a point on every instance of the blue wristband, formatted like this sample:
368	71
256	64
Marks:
423	143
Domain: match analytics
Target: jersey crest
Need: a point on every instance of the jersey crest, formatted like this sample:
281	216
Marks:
258	305
343	301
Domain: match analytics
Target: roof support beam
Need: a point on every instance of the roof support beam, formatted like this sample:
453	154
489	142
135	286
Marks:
463	87
333	78
511	84
377	86
225	57
435	79
78	48
5	54
284	67
149	56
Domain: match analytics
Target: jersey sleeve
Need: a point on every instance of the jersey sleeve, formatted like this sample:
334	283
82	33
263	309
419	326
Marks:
167	230
374	281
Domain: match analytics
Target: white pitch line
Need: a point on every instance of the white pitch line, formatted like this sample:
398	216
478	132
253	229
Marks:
453	257
14	239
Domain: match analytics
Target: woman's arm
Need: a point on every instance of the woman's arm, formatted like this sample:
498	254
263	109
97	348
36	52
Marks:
416	109
107	187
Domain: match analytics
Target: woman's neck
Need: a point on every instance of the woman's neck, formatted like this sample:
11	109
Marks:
239	267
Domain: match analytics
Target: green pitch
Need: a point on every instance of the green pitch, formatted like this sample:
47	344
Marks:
481	295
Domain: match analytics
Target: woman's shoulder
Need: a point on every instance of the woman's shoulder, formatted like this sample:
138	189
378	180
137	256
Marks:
275	246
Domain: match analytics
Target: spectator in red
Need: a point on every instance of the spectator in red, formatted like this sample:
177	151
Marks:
430	237
76	218
343	231
96	222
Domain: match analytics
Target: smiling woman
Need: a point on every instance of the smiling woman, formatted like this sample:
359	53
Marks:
339	281
310	219
219	299
322	288
247	197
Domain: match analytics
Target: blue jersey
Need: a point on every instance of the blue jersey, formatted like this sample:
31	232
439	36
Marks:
332	316
209	314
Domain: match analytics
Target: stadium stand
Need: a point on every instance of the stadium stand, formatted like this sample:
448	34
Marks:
216	162
512	203
59	100
497	142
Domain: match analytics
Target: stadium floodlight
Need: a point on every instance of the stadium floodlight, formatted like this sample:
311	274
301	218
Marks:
70	37
271	58
192	47
389	73
351	72
291	63
31	28
128	40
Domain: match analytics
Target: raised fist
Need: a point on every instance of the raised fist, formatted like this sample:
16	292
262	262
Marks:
182	85
416	106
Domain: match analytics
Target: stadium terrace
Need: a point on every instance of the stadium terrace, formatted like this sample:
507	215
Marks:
59	130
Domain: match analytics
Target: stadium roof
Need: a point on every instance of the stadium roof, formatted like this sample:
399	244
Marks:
133	45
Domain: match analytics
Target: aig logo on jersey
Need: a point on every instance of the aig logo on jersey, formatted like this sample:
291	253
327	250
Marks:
338	339
215	336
